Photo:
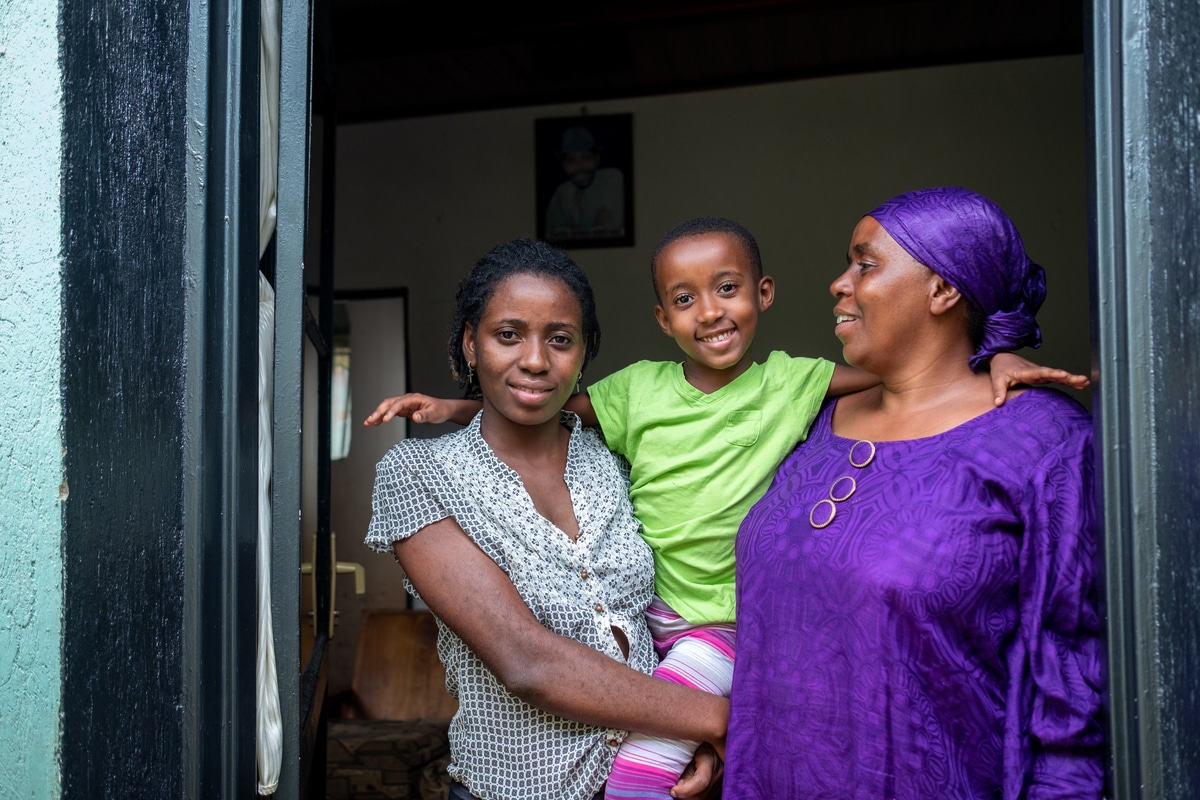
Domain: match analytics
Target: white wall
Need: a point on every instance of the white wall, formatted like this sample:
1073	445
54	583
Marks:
418	201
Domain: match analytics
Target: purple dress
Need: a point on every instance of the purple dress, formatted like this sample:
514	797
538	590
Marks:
939	637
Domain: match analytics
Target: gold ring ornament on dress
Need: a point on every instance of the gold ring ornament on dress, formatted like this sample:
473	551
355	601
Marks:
812	515
843	487
854	448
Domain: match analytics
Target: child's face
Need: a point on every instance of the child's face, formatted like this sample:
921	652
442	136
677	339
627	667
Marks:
709	302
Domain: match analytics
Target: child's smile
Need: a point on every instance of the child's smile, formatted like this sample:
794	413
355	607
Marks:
710	300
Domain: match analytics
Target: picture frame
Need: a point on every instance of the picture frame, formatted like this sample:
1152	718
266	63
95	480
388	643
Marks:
584	180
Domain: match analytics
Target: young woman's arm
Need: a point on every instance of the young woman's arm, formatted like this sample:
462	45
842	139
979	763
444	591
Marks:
473	596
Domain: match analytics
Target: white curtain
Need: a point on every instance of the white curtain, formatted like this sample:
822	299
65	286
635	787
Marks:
269	732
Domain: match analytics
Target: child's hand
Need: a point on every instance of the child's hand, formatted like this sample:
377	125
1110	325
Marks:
1010	369
702	777
417	407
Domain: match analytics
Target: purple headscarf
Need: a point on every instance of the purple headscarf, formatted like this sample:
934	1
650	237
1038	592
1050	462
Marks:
967	240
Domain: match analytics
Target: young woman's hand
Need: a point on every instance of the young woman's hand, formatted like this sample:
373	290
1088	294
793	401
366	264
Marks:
423	408
1010	369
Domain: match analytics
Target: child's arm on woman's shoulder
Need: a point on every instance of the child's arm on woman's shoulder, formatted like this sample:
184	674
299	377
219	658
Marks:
848	380
1010	369
433	410
581	403
423	408
1007	370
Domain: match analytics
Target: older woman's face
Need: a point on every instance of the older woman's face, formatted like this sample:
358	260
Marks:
528	348
881	296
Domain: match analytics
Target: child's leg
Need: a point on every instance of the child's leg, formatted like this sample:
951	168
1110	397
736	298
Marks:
647	766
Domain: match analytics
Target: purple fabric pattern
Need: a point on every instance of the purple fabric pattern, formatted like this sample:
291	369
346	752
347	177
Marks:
967	239
940	636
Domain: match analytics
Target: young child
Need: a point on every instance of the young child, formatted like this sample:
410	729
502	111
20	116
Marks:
703	439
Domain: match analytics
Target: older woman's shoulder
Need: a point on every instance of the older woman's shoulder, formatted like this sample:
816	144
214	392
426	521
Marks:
1052	403
1037	421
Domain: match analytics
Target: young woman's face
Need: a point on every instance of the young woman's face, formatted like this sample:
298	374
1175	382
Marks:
528	349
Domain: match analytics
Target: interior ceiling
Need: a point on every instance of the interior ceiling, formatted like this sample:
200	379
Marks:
401	59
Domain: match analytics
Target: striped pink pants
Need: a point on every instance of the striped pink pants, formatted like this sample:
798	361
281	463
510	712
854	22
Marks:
697	656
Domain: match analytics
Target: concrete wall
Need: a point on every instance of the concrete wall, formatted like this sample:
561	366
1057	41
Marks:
418	201
30	408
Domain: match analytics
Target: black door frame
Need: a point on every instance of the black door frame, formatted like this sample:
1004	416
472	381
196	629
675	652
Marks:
1144	115
295	124
221	400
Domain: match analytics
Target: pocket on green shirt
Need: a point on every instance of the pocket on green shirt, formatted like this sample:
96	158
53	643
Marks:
741	427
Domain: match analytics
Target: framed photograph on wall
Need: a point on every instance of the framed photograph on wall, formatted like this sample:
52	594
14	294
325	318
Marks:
585	180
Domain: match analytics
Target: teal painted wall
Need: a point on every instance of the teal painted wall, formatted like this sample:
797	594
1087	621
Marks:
30	408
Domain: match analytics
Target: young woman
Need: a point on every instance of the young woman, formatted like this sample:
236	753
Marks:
518	533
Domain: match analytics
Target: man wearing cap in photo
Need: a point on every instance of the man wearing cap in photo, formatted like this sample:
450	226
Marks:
591	202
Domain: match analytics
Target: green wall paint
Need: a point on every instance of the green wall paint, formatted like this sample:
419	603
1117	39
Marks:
30	407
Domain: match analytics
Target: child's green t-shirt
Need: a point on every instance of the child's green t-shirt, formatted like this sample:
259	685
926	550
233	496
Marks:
698	462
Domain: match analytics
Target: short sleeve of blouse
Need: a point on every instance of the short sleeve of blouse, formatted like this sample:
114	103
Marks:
404	501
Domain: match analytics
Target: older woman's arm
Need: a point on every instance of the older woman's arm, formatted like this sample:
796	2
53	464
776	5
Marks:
476	599
1062	624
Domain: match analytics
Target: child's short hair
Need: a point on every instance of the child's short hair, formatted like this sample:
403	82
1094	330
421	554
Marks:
699	226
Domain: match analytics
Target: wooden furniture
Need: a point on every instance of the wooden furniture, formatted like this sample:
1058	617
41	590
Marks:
397	674
391	742
379	759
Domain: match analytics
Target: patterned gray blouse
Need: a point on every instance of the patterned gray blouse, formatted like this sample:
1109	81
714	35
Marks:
501	747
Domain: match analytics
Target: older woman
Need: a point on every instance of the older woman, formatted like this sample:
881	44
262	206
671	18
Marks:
518	533
917	590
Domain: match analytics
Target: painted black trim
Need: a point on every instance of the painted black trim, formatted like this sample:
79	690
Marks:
1146	317
314	683
314	687
295	122
221	402
123	188
323	556
1109	336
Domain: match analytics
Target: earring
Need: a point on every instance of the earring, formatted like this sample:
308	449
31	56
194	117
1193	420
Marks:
578	378
470	373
